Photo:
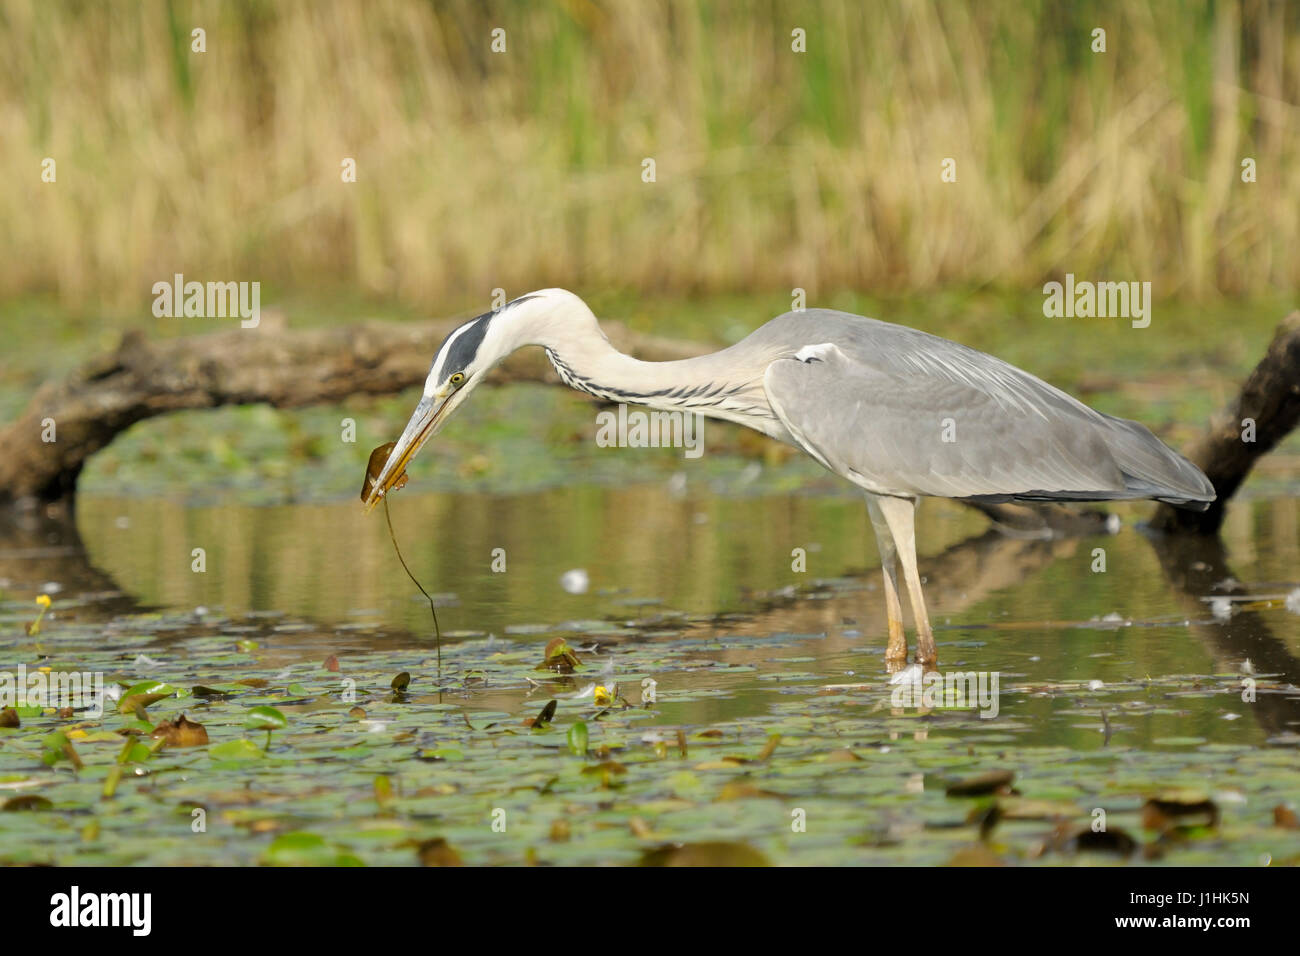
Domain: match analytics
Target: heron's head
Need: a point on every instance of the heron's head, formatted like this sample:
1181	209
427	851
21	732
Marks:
462	362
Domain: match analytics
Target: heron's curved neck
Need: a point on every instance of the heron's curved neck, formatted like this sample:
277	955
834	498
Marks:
718	384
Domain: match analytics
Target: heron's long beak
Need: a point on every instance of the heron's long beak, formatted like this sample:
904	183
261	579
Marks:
424	424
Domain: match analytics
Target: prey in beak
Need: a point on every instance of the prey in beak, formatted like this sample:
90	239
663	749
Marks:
386	470
378	458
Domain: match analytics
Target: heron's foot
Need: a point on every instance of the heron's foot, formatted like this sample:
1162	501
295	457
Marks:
926	653
896	650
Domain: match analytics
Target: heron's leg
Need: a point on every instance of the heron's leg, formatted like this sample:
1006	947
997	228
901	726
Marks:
896	652
900	515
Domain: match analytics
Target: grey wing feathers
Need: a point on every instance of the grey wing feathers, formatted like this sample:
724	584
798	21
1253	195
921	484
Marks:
902	412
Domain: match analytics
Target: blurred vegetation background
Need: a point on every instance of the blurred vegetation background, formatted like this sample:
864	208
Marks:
523	169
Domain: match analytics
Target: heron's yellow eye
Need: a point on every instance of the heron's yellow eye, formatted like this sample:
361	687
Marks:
457	378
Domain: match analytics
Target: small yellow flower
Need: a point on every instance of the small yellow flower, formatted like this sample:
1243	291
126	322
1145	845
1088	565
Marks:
602	697
43	602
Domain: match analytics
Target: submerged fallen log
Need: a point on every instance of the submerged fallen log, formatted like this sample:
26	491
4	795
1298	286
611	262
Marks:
66	422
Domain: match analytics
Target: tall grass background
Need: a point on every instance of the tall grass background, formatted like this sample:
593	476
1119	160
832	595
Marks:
775	169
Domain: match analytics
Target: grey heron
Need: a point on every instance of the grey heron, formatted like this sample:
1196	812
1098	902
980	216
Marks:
900	413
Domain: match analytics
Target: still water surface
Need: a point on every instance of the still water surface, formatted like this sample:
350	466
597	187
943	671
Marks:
668	565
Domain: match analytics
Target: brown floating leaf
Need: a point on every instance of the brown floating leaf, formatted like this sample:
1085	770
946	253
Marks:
182	732
1076	838
542	719
1179	811
375	465
978	855
332	664
607	770
1285	817
209	693
438	852
607	767
842	756
714	853
28	801
726	763
9	718
739	790
136	703
996	781
559	657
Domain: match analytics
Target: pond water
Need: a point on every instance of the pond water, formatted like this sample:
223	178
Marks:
1131	679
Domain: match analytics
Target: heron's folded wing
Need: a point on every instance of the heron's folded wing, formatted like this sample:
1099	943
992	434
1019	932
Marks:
943	427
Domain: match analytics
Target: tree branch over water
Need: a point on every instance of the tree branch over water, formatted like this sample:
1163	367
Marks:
1270	400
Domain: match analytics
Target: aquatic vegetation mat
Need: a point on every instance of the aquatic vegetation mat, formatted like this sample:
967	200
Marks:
265	740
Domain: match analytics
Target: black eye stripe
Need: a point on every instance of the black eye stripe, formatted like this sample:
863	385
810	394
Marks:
462	351
465	347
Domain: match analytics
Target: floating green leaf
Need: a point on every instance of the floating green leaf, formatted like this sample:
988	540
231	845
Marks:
240	749
577	739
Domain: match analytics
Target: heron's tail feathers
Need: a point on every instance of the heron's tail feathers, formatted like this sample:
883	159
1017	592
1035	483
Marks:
1154	470
1149	468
